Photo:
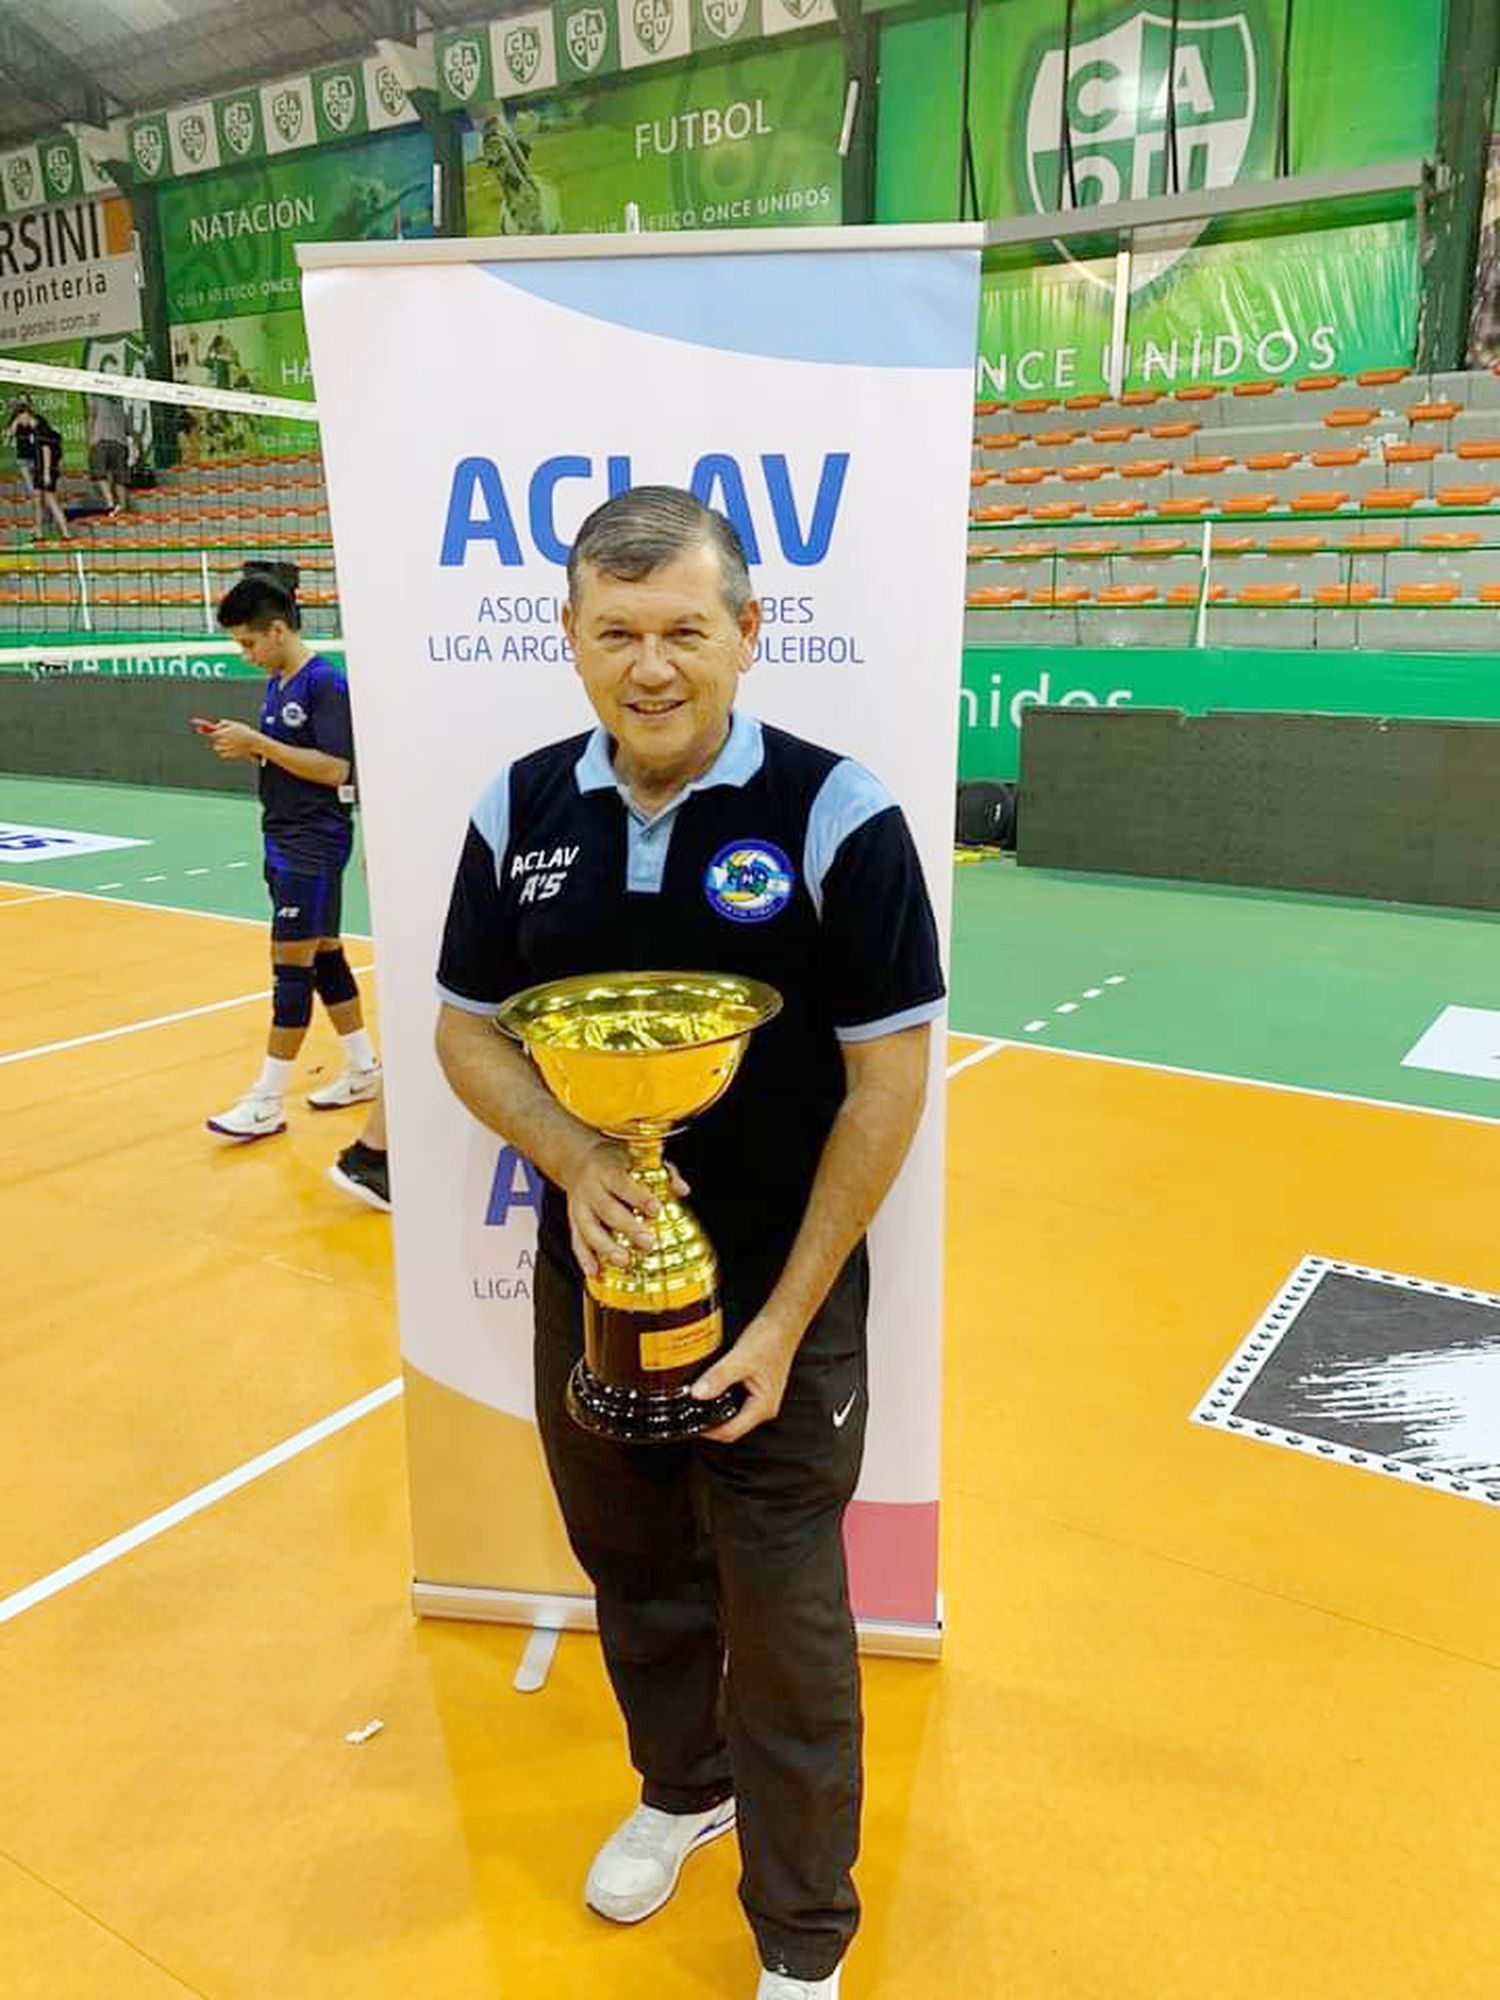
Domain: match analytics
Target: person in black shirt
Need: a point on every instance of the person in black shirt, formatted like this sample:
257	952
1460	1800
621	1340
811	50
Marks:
39	449
305	749
682	832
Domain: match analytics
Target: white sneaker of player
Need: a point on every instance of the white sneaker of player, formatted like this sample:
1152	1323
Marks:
636	1869
252	1118
351	1086
780	1986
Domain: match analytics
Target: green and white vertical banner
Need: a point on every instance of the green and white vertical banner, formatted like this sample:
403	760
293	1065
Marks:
581	41
1060	126
794	379
262	121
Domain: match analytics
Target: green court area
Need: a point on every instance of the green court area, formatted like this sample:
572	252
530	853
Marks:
1309	991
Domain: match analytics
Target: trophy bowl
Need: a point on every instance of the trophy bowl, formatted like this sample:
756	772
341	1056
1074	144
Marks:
635	1055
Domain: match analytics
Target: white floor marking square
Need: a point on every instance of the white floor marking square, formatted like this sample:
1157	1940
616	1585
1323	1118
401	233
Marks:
1462	1041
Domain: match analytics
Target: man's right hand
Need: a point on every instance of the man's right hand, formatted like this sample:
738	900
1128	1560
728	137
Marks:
605	1202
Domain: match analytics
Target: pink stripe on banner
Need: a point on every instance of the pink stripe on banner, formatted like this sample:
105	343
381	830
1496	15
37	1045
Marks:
892	1548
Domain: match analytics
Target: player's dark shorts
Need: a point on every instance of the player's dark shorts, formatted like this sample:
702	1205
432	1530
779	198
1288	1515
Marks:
108	460
47	463
304	906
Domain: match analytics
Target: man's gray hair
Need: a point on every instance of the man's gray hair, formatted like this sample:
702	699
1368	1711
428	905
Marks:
646	527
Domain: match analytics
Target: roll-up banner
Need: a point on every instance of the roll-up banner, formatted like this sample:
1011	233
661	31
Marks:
477	400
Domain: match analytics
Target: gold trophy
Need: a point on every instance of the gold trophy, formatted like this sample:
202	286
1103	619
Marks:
636	1054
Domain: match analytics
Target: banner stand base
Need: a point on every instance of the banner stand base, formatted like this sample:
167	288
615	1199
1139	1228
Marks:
878	1637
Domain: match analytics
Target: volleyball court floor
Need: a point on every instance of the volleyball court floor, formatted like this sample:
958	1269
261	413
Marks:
1218	1711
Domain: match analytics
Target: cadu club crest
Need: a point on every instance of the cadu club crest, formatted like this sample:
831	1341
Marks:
21	179
340	101
800	10
286	115
654	21
725	18
1117	108
192	136
149	150
239	124
390	90
463	63
588	37
58	166
523	53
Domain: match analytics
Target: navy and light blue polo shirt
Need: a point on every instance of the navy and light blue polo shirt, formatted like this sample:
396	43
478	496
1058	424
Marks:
308	828
783	862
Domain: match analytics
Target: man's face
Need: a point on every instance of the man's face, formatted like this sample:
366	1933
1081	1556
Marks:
661	659
264	649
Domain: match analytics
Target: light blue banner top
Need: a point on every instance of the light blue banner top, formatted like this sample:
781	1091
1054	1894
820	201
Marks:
872	309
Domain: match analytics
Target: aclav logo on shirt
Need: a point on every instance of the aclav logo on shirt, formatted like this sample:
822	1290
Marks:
293	714
749	880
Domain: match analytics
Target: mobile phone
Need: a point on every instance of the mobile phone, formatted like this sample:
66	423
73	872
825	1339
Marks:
203	726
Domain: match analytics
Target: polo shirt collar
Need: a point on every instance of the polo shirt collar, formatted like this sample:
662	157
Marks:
736	764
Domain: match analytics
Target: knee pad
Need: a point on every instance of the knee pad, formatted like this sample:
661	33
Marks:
292	996
335	982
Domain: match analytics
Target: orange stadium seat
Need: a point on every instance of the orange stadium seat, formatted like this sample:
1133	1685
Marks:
1489	593
1115	433
1341	454
1208	466
995	594
1029	551
1430	591
1341	594
1117	510
1139	399
1371	378
1144	468
1187	593
1057	510
1390	499
1432	413
1271	461
1467	497
1269	593
1479	448
1451	538
1083	402
981	478
1033	405
1055	440
1197	392
1250	503
1256	388
1234	545
1127	593
1370	544
1025	475
1081	473
1060	593
996	513
987	409
1001	440
1151	548
1182	509
1352	419
1316	384
1179	427
1091	551
1295	545
1410	454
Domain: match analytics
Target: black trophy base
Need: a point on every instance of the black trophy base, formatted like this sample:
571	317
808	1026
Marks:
642	1416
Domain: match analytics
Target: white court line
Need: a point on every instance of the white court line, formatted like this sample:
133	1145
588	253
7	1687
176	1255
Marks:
1251	1082
195	1503
175	909
41	896
140	1027
991	1047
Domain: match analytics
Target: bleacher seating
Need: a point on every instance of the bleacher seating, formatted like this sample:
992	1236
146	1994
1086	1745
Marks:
1325	512
160	567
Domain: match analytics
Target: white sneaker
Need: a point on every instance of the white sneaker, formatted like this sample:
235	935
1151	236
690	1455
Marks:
353	1086
778	1986
636	1869
252	1118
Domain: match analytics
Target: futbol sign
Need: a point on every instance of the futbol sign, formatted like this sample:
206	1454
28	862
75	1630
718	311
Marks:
1122	90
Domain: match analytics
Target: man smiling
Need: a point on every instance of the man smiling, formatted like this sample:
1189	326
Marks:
683	833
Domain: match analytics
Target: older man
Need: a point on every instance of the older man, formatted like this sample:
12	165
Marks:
681	832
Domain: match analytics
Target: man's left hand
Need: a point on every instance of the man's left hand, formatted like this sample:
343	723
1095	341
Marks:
234	740
761	1360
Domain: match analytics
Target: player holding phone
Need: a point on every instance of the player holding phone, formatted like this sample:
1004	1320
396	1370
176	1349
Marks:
305	750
